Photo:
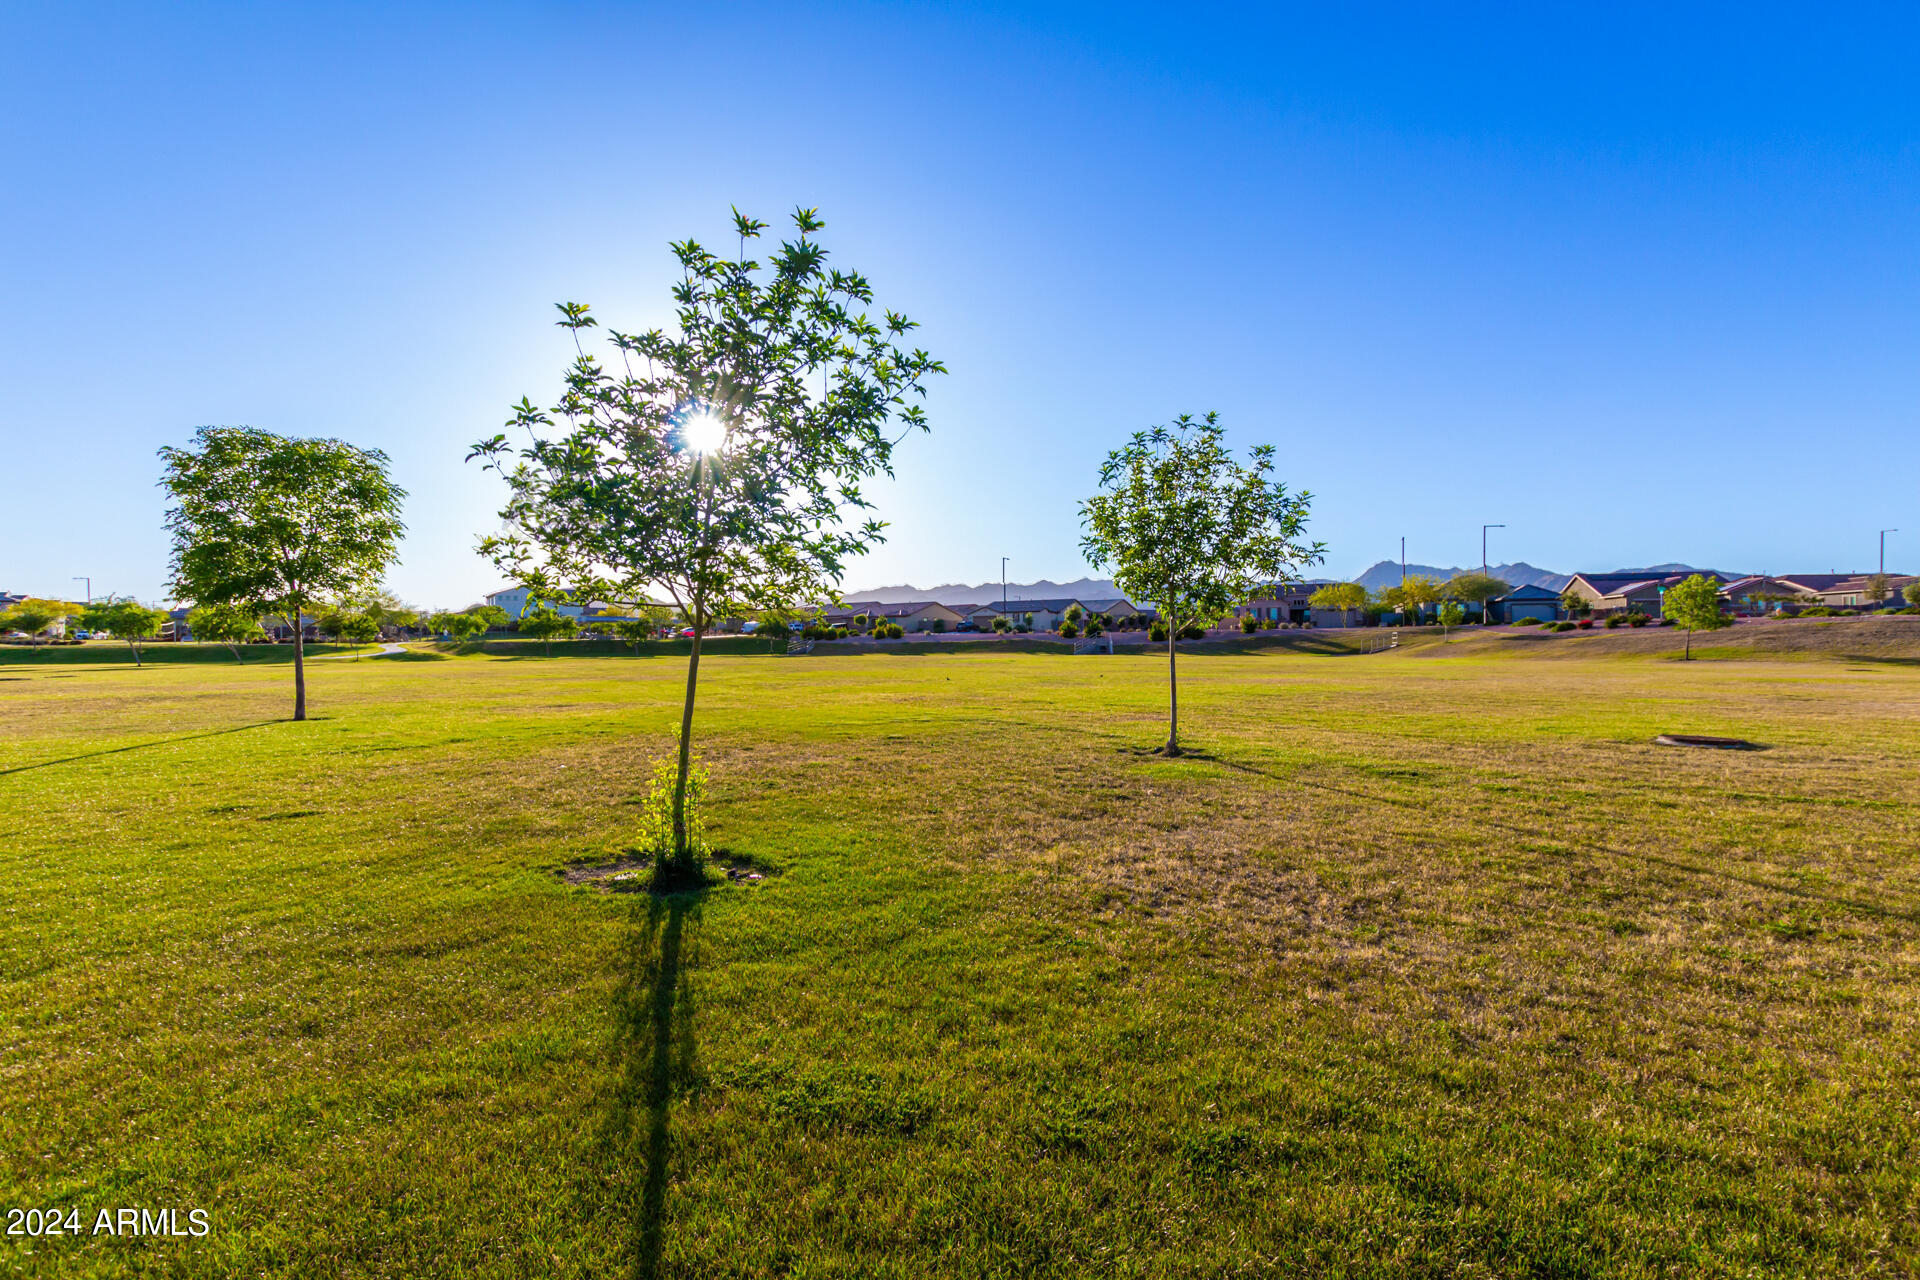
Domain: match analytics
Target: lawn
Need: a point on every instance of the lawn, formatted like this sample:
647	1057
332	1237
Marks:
1428	963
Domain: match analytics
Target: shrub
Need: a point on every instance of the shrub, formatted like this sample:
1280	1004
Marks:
1820	611
1560	626
1526	622
1001	626
1613	621
1157	632
1639	619
1068	631
1023	628
1249	624
655	835
839	633
1192	631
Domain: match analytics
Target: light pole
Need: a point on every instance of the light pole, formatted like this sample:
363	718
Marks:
1003	586
1883	549
89	581
1403	562
1483	566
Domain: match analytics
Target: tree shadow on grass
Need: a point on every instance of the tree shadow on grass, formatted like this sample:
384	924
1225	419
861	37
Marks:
654	1052
142	746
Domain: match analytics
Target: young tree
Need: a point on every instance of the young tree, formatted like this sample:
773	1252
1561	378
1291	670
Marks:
1410	597
1339	595
545	624
1452	614
350	626
1695	605
270	524
463	626
717	462
1187	526
1912	593
1477	588
1000	624
1878	588
34	616
224	624
1574	604
125	619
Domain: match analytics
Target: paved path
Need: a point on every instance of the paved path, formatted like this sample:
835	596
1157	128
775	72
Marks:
386	651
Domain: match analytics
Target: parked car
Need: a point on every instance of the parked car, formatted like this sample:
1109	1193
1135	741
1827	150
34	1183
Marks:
749	628
83	635
686	633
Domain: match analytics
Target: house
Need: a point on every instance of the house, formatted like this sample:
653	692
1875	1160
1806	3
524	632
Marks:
1849	590
1047	615
518	604
1119	612
1627	592
1530	601
1287	602
911	615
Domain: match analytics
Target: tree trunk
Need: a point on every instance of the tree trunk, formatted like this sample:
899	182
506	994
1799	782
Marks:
136	652
1173	690
236	654
299	670
682	854
1689	654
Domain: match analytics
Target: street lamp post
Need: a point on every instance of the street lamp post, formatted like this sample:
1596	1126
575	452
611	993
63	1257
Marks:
1883	549
1003	586
1483	566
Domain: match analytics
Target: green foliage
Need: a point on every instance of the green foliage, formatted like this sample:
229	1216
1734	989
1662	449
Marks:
465	626
547	625
1476	588
1068	631
1695	605
125	619
1001	624
1911	592
1249	623
34	615
1097	624
1878	587
1410	597
1339	595
1074	614
1185	524
350	626
1526	622
1451	615
1818	611
1157	631
1614	621
271	525
655	834
1575	604
226	624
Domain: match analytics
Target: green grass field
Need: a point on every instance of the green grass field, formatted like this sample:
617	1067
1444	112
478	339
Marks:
1429	964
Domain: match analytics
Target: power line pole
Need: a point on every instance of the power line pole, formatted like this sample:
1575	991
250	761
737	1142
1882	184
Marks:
1483	566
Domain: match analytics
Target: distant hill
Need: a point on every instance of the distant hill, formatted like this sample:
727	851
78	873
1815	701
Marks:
1521	574
988	592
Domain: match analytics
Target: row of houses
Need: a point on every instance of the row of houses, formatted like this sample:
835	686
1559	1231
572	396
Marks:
1752	594
933	615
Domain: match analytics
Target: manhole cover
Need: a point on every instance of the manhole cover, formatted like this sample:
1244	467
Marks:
1702	740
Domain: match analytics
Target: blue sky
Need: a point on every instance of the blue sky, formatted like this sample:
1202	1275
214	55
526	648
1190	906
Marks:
1640	285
